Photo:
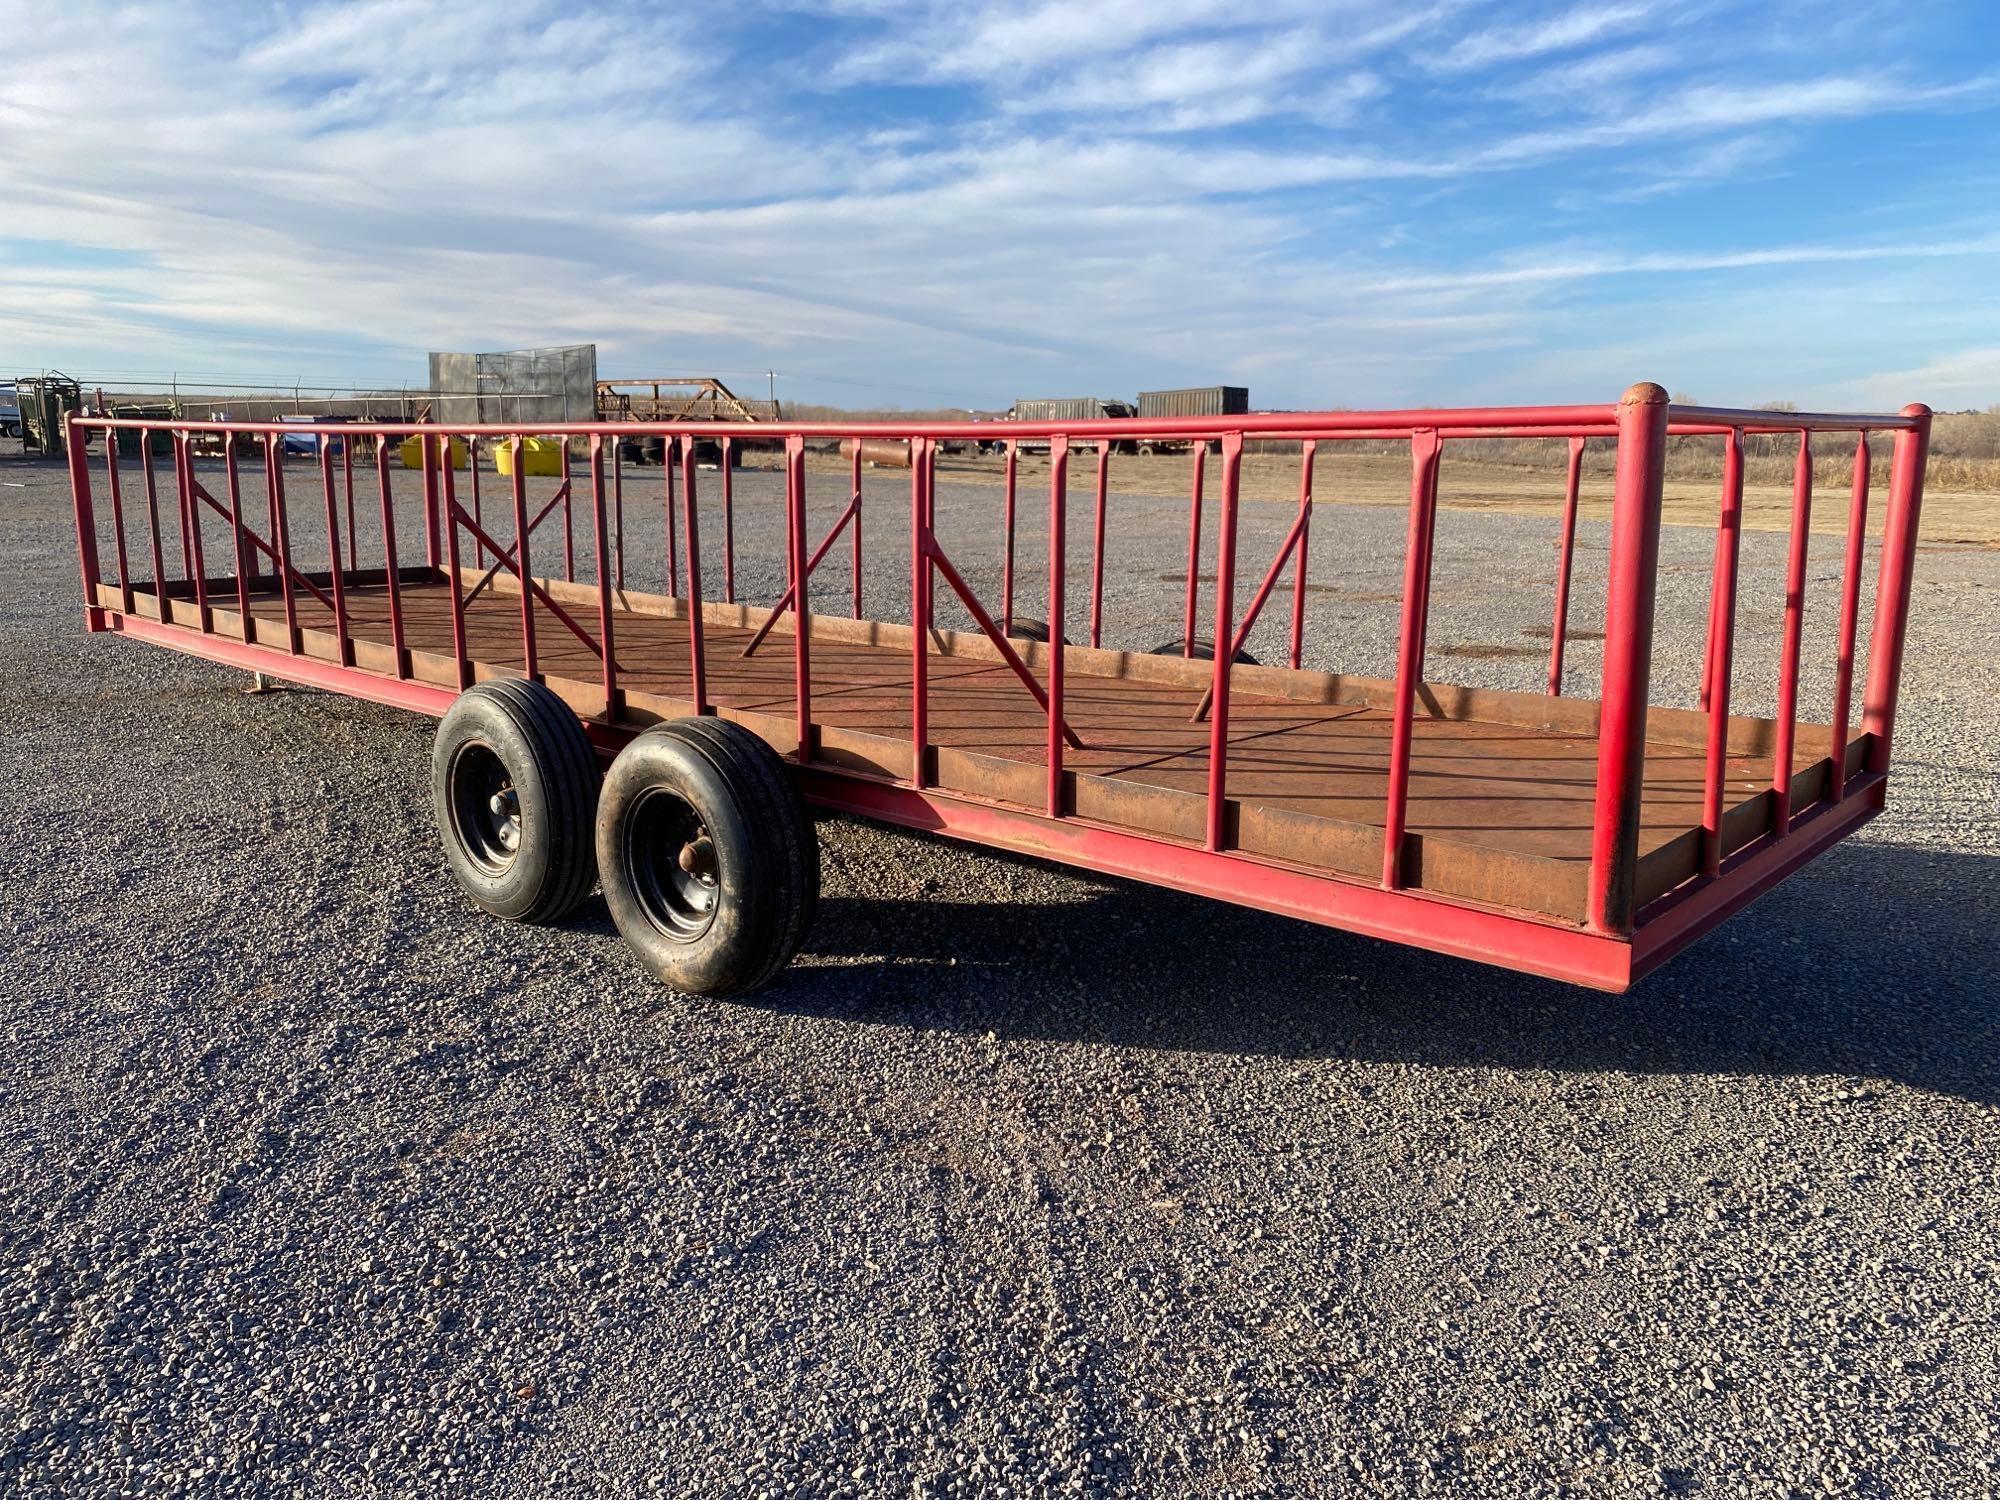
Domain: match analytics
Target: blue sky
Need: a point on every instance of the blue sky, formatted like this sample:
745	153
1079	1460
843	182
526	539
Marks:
912	204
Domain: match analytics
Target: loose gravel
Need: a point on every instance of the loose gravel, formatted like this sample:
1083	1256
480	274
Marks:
1022	1182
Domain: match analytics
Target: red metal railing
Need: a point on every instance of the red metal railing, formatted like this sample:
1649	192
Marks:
1639	426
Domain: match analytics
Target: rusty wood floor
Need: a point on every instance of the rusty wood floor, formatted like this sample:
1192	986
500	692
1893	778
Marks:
1493	786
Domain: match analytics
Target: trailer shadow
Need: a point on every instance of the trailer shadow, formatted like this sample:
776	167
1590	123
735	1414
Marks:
1876	962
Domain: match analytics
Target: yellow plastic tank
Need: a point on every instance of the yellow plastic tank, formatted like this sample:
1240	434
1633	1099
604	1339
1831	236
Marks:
411	452
538	456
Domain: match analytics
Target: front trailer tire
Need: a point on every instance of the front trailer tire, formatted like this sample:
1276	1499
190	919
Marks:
707	856
514	789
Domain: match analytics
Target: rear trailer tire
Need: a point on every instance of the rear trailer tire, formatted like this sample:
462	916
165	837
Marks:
514	788
1202	649
1028	628
707	857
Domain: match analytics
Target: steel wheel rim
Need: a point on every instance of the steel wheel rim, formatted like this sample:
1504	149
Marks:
671	865
485	807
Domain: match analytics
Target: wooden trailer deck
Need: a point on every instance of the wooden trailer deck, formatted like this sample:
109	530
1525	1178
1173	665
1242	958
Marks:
1501	788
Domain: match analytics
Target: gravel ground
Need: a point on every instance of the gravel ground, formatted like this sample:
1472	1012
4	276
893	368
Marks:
1022	1182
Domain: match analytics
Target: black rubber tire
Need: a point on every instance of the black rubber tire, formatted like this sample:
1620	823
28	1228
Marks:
1203	650
708	859
524	735
1028	628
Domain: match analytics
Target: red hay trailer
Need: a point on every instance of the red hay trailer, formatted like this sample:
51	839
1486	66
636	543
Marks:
1583	840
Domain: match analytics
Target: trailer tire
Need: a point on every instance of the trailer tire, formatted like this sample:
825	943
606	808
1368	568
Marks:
707	856
1203	649
1028	628
514	788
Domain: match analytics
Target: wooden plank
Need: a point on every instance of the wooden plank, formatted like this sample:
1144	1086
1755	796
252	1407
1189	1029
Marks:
1501	785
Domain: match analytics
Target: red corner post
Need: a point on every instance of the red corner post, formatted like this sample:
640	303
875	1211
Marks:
1892	591
86	517
1628	656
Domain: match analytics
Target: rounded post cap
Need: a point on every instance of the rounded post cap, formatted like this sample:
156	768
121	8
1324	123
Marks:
1645	393
1915	409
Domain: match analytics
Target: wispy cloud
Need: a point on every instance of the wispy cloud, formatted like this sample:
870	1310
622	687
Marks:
1963	378
1582	268
1558	33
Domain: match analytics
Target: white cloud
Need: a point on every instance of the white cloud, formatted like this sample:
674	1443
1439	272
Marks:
1559	33
1954	381
1116	189
1584	268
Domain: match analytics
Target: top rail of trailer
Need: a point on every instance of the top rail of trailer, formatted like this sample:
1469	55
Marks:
1634	906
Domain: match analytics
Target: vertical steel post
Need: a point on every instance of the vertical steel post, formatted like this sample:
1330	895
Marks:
728	527
1559	629
194	550
184	498
341	642
1850	614
795	495
1892	588
431	537
1194	549
281	537
520	489
86	521
618	506
118	516
448	511
1225	636
1007	554
855	501
1415	623
478	508
153	523
603	549
1058	541
1628	657
353	539
1720	660
569	536
236	535
1308	451
391	569
274	458
669	459
920	614
1794	628
697	648
1097	550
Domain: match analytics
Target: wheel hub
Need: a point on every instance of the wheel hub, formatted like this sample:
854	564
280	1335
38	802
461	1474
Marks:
486	807
675	869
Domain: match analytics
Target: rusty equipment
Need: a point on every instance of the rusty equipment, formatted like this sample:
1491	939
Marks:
876	453
662	399
1587	840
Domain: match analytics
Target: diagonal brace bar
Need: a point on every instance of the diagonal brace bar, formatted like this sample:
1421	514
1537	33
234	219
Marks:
507	557
265	547
992	631
532	585
1291	544
812	565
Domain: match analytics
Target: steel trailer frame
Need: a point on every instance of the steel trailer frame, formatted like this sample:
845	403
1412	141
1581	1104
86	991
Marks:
1630	917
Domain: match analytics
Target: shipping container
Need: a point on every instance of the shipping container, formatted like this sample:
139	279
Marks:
1059	409
1068	409
1196	401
